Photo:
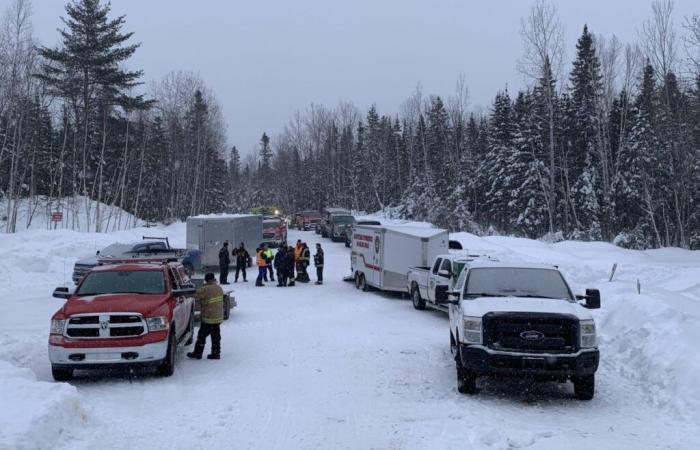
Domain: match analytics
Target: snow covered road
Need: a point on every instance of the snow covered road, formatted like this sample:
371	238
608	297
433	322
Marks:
331	367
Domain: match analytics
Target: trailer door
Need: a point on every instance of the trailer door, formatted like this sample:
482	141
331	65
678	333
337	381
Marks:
376	253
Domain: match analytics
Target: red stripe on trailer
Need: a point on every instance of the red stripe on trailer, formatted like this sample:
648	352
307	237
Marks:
369	266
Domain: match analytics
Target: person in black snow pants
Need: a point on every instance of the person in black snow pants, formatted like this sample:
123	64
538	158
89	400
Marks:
242	258
318	262
289	264
280	258
224	262
303	263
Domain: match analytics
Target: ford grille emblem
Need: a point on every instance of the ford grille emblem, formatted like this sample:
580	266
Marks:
104	325
532	335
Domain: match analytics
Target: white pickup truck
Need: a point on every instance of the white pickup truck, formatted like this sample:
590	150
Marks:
521	320
423	280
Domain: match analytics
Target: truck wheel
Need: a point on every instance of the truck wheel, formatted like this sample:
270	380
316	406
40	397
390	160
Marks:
466	380
227	307
584	387
61	374
357	280
191	329
347	243
418	302
363	283
167	366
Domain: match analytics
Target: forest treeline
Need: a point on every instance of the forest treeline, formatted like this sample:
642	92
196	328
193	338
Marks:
603	145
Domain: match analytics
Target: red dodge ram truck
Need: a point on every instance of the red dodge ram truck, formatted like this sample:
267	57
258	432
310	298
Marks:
128	313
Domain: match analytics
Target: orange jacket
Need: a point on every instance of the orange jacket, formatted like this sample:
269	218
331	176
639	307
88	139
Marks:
260	259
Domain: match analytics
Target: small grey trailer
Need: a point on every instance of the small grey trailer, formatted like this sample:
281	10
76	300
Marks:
382	255
207	234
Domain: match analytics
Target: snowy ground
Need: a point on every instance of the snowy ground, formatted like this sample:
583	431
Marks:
332	367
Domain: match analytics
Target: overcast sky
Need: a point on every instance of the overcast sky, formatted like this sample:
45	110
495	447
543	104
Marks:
266	59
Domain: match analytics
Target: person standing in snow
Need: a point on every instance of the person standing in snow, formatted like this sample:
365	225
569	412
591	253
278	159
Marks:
262	265
269	257
289	265
318	262
242	258
211	300
280	258
224	262
304	261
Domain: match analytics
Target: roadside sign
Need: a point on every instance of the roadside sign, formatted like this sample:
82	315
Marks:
56	216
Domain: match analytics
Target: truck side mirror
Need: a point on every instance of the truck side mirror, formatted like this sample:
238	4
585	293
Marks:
444	273
592	299
445	297
62	292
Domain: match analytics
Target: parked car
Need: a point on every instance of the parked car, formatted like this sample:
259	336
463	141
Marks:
325	225
306	220
382	255
274	231
149	246
339	225
521	320
349	231
123	314
423	281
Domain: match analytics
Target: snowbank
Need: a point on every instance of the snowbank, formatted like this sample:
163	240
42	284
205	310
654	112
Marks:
36	414
79	214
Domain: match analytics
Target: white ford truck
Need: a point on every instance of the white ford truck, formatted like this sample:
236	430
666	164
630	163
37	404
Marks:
521	320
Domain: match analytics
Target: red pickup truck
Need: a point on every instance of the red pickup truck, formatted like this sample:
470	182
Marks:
122	314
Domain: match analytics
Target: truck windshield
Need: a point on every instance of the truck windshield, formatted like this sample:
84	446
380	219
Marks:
342	219
457	267
123	281
516	282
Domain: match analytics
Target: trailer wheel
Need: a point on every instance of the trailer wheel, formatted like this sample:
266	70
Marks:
363	283
418	303
357	280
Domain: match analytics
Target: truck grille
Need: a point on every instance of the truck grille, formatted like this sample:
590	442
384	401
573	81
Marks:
531	333
104	326
268	235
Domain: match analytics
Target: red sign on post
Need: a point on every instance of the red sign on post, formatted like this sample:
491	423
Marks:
56	216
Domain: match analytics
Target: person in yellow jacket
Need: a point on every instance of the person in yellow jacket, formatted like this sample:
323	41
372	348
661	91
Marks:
269	258
211	300
262	265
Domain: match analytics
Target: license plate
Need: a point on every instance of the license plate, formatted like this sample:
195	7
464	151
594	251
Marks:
533	363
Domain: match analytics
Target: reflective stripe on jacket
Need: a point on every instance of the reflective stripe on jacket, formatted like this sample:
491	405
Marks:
211	300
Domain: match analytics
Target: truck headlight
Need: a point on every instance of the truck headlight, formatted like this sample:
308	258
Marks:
57	326
471	330
157	323
588	334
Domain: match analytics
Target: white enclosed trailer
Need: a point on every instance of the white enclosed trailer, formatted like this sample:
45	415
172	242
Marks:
382	255
207	234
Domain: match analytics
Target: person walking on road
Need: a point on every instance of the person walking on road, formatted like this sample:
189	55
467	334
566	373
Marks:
242	258
262	266
280	259
211	300
318	262
224	262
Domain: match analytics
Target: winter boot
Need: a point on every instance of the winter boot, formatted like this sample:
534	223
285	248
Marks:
193	355
214	356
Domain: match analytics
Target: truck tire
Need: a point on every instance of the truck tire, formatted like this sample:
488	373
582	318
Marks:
61	374
466	380
357	280
227	307
418	303
190	339
361	282
167	366
584	387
